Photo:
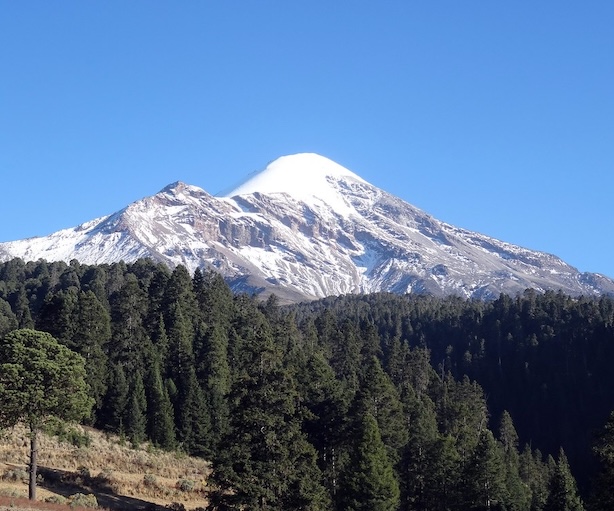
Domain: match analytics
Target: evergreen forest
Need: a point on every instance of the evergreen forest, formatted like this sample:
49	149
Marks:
363	402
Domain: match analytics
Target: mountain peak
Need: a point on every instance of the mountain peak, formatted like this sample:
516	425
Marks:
306	227
303	176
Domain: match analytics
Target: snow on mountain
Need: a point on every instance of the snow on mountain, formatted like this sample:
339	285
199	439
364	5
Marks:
306	227
307	177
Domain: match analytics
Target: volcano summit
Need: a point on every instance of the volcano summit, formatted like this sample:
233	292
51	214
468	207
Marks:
305	227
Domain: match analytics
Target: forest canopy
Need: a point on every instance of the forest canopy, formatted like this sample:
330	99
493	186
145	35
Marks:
356	402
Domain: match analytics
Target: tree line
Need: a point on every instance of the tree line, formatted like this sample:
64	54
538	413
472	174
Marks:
374	402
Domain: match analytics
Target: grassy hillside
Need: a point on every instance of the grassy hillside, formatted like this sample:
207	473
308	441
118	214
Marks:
77	462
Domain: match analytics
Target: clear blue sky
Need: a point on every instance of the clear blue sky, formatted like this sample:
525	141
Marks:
493	116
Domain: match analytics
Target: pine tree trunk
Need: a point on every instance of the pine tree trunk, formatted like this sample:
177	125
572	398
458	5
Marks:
33	461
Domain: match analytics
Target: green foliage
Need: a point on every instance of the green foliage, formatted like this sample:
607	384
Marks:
215	376
160	416
535	476
83	500
186	485
563	492
67	433
128	333
115	403
136	412
379	397
369	483
92	332
484	476
602	497
8	320
265	459
435	374
39	379
518	493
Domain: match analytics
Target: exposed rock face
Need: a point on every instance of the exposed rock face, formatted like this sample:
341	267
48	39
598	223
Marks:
306	228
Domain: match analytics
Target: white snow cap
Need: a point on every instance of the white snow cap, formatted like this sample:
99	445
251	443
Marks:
303	176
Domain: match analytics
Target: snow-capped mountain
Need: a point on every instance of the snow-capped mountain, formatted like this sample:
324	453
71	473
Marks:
306	227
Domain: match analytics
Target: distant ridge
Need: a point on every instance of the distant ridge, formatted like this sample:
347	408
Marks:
305	227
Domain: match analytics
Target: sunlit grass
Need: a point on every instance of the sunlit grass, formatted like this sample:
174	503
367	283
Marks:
105	464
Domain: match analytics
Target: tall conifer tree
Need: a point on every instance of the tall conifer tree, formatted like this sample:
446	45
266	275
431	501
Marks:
265	461
92	332
602	491
160	416
563	491
380	398
136	411
369	482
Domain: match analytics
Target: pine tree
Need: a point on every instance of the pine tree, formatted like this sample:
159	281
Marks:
39	379
443	488
563	492
57	316
602	498
265	461
136	412
396	361
379	397
8	320
518	494
216	381
161	343
462	413
179	293
484	476
128	334
92	332
346	358
430	465
94	279
115	403
214	298
370	483
535	475
193	420
160	416
326	419
181	345
21	308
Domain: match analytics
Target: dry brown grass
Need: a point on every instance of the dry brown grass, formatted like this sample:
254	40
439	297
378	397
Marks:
104	467
23	504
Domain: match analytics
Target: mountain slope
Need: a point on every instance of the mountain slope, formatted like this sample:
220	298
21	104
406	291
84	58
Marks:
305	227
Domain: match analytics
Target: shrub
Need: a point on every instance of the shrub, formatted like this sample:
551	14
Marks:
83	500
68	434
15	475
11	492
185	485
56	499
150	481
